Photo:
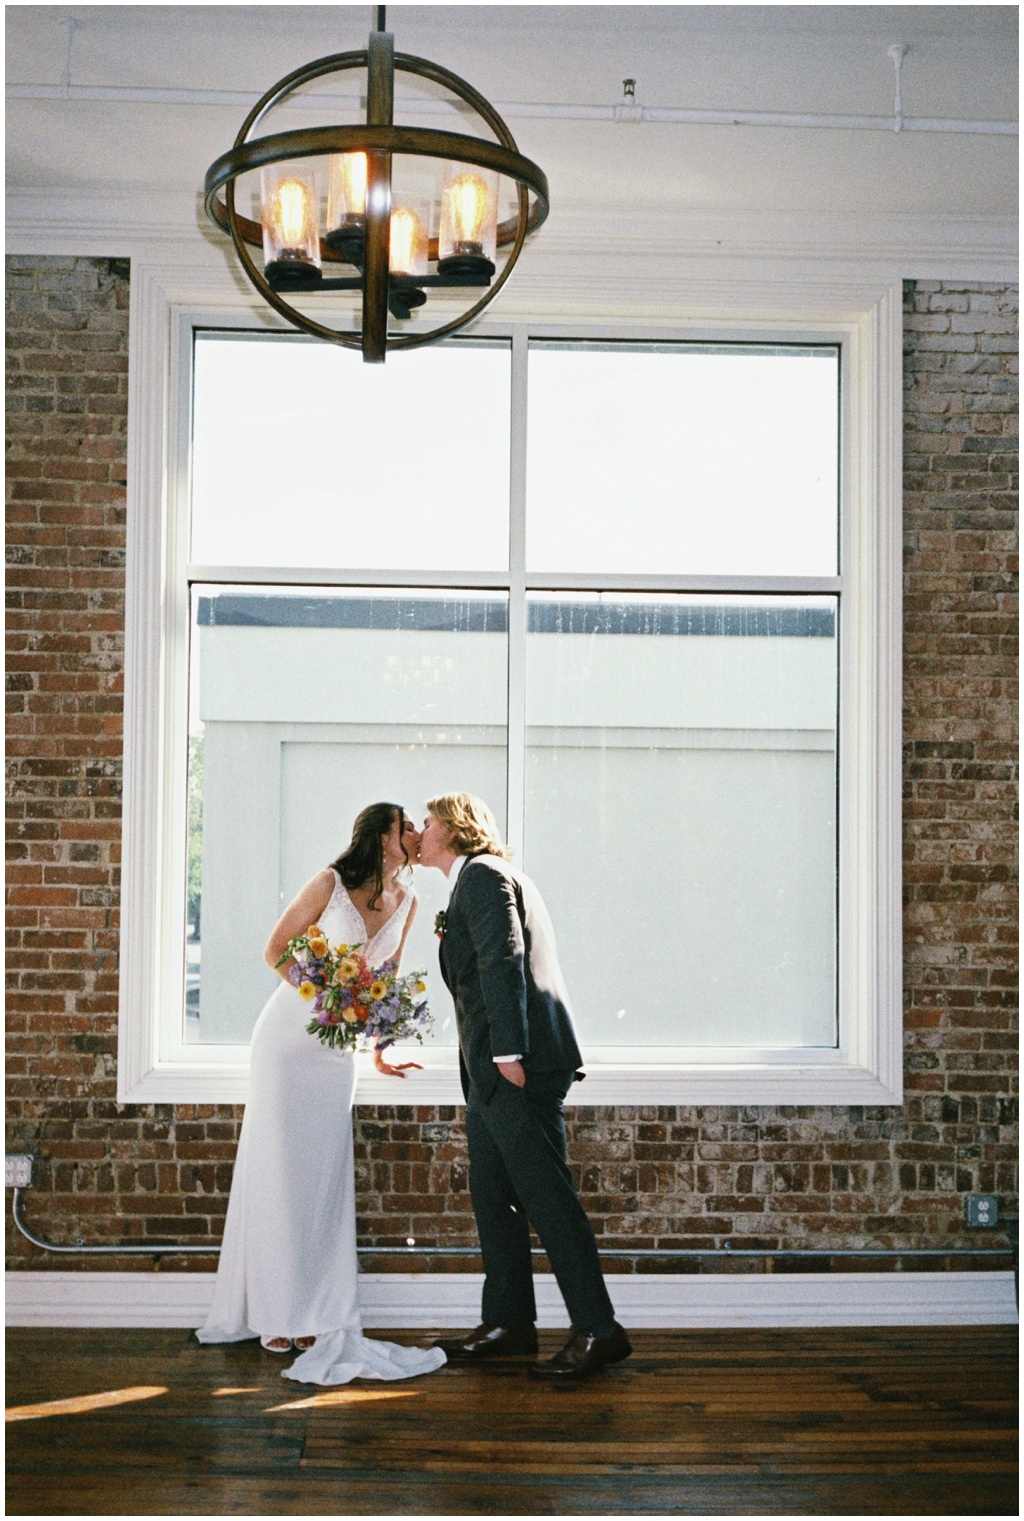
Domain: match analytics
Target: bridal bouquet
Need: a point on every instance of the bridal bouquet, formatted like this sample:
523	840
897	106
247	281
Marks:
352	999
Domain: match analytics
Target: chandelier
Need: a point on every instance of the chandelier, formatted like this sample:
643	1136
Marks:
377	236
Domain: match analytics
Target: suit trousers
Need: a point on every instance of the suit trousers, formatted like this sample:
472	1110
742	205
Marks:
518	1174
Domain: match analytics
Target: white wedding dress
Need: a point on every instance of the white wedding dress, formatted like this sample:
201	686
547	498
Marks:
288	1265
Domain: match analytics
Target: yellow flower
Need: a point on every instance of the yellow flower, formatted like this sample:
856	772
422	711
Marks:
419	985
350	1016
307	991
379	988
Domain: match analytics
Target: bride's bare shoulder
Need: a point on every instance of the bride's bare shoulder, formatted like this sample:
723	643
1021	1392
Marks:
323	884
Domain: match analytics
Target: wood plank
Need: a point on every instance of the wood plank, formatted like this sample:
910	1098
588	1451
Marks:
330	1495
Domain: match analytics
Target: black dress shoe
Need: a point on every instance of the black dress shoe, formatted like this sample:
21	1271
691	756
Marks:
490	1341
583	1354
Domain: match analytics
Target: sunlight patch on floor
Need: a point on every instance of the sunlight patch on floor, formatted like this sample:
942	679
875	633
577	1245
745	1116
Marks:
82	1403
345	1397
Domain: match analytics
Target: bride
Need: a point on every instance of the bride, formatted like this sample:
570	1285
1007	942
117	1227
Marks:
288	1268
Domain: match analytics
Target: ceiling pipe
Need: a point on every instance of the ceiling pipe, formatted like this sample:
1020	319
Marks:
525	110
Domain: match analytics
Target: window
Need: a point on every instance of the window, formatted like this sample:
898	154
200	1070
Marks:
618	588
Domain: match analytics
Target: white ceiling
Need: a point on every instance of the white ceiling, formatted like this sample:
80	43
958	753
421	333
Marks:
962	62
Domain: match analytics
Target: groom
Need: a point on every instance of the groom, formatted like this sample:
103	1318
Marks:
518	1058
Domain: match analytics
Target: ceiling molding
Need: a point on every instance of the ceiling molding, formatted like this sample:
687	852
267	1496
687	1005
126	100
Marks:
600	247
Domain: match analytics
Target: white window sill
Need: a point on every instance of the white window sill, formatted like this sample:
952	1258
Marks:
808	1077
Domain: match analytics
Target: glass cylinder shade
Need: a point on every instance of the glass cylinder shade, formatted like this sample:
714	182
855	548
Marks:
410	225
469	214
290	216
346	191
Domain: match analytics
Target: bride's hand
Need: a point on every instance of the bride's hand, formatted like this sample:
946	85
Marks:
388	1070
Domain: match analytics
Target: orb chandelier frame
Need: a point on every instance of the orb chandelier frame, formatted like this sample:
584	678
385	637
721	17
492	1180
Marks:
368	250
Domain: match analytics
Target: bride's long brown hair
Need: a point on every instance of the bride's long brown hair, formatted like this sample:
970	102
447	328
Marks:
363	861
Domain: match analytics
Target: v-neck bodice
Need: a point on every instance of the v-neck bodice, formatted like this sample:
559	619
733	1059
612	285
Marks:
342	923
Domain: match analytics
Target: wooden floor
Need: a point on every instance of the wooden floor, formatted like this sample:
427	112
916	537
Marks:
824	1422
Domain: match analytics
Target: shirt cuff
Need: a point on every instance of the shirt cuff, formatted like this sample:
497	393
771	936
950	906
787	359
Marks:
509	1058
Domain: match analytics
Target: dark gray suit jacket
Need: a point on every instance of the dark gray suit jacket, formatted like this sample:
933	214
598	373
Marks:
498	961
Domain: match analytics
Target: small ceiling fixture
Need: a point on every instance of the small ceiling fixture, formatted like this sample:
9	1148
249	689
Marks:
385	189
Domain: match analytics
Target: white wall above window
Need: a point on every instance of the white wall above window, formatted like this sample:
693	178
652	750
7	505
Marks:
864	321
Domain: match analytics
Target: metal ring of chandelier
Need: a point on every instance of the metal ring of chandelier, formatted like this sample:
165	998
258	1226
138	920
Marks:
379	139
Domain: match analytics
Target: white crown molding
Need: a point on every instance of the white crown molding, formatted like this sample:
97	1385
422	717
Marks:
620	245
654	1300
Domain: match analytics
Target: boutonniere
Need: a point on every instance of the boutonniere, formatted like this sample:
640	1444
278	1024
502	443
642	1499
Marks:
440	920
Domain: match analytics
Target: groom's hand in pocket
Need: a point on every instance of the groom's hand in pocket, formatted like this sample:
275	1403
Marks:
513	1073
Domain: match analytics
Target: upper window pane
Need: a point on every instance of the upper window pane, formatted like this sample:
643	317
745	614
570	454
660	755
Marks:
683	459
302	455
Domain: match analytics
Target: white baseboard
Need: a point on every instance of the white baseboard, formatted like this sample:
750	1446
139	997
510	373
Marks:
656	1300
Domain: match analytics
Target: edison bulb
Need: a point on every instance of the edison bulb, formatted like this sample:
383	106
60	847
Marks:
467	203
407	249
469	213
346	189
291	231
290	211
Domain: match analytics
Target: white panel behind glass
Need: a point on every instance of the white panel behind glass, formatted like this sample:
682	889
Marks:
304	456
308	705
678	460
680	814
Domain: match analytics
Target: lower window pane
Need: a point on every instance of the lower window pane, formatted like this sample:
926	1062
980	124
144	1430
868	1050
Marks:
680	814
305	707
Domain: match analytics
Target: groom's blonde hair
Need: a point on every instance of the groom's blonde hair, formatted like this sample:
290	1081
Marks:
471	824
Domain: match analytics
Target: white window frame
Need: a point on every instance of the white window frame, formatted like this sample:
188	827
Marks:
865	322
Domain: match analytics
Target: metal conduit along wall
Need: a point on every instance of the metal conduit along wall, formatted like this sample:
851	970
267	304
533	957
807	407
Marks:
138	1250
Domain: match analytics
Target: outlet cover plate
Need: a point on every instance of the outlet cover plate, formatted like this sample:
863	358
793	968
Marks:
982	1209
17	1171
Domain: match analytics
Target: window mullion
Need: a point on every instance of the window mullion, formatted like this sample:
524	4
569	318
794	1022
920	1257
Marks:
517	599
319	575
712	585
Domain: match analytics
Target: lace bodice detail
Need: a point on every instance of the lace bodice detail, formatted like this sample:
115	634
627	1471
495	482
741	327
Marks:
343	924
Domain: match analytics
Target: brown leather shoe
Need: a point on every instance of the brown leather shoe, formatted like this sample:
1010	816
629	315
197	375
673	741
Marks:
490	1341
583	1354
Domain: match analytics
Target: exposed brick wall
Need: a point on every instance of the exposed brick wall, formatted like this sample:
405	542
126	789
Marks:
786	1177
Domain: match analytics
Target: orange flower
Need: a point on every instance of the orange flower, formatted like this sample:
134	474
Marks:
318	945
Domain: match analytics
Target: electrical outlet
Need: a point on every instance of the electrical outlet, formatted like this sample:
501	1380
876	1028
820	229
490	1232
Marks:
17	1171
982	1209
